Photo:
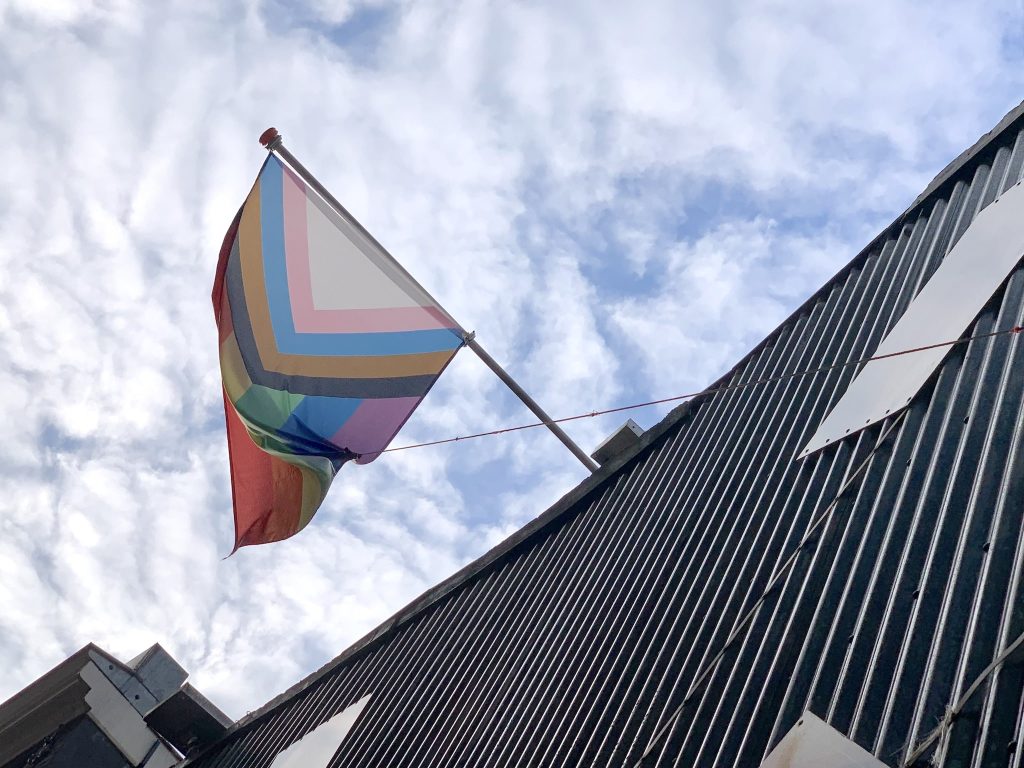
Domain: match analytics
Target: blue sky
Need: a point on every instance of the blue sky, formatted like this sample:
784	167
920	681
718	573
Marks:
621	201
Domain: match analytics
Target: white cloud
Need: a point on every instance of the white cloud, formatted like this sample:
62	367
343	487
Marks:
620	202
735	283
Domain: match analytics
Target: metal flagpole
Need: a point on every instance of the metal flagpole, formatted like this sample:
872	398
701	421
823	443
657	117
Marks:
273	142
529	402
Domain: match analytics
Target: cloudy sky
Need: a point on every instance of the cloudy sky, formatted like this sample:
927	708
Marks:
621	199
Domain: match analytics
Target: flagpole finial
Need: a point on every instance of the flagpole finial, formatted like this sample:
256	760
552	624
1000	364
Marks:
270	138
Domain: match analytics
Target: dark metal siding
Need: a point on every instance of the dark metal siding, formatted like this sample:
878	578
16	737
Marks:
579	645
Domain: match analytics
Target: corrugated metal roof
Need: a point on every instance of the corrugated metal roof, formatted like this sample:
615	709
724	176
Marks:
577	641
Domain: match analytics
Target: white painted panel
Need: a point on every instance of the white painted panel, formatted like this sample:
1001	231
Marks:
967	278
341	275
161	758
316	748
118	719
813	743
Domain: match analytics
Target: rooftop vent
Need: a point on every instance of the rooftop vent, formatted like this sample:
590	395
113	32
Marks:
622	439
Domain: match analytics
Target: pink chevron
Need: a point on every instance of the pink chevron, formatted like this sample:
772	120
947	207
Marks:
305	316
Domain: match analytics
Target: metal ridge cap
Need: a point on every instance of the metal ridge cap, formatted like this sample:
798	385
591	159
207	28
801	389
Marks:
955	165
464	575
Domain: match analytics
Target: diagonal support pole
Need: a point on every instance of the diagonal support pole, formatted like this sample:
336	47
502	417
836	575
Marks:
530	403
272	142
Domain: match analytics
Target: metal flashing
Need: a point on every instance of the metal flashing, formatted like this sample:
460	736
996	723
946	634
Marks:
116	717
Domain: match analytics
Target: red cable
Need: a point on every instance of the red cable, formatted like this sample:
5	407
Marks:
709	390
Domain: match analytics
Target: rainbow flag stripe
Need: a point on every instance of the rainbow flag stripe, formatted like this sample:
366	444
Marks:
326	348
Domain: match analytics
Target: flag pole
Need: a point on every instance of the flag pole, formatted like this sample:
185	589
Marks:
272	142
530	403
